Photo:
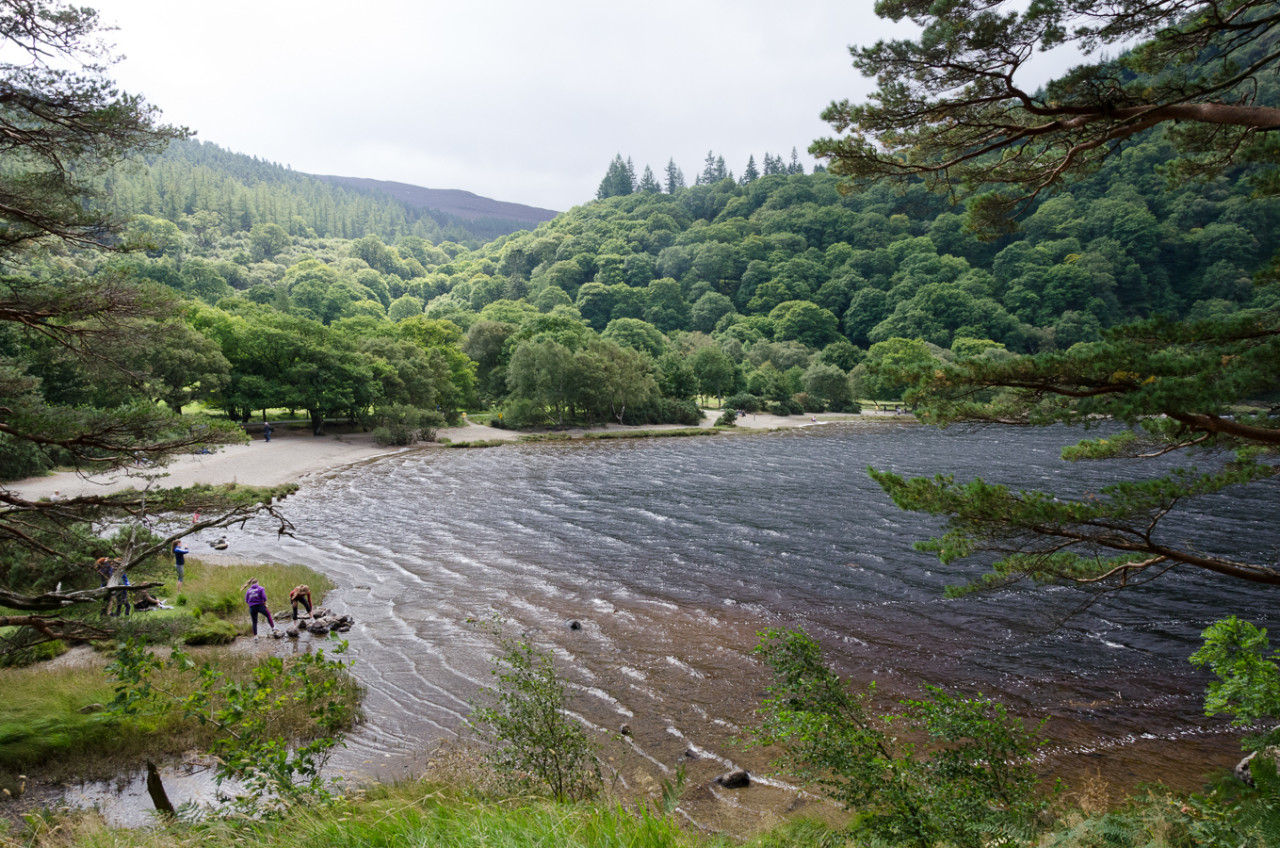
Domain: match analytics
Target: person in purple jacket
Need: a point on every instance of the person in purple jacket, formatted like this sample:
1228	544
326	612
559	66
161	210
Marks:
256	597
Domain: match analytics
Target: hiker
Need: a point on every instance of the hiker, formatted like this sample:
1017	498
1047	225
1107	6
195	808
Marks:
301	594
179	560
147	602
256	597
122	596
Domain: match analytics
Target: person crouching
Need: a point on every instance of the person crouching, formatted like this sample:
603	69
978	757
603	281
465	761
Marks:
301	594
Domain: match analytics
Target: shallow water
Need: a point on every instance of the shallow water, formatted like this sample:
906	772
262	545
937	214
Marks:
674	553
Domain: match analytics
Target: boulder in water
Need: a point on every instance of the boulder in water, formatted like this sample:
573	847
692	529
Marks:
573	624
736	779
1241	771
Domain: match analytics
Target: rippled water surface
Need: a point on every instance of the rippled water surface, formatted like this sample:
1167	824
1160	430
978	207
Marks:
674	553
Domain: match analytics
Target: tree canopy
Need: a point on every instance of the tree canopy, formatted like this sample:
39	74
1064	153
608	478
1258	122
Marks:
953	106
1202	388
77	335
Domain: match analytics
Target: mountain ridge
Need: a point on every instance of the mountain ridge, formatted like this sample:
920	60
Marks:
452	201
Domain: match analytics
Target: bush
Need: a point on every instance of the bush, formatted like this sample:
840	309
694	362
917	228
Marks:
533	740
809	403
402	425
785	407
969	780
745	402
665	410
728	418
31	654
210	630
519	414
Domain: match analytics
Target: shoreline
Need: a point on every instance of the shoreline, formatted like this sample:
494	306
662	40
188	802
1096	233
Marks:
293	455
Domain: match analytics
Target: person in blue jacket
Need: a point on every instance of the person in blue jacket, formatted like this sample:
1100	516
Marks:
179	560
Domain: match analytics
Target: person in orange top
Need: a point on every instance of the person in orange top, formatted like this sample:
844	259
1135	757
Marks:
300	594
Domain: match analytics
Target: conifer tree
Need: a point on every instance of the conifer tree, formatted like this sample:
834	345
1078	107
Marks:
618	180
60	129
750	174
648	183
674	177
950	110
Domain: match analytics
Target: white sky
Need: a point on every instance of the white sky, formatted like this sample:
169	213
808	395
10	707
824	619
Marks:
519	101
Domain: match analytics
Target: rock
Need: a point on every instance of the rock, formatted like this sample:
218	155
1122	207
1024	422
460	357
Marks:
220	546
736	779
318	627
625	730
573	624
1241	771
91	708
293	632
690	754
277	634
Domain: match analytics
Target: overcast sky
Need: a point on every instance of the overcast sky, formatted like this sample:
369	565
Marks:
519	101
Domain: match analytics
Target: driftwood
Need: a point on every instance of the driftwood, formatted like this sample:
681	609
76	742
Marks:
155	788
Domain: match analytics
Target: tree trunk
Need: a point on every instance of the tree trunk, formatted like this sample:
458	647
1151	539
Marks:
155	788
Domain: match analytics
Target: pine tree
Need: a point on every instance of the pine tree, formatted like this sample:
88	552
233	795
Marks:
648	183
795	167
618	180
750	175
675	177
63	124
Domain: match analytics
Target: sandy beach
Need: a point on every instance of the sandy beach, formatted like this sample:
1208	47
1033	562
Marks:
293	454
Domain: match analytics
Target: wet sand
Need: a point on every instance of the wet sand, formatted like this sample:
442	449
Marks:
293	455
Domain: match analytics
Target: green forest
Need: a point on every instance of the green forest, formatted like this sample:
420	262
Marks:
775	291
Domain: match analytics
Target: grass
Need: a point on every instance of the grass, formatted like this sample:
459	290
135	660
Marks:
407	814
652	434
217	589
53	721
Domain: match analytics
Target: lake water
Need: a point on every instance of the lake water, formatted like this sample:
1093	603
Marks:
674	553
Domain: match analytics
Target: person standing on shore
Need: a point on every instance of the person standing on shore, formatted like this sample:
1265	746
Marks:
301	594
256	597
179	560
266	431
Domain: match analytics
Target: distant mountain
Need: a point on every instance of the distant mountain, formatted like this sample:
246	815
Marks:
233	192
460	204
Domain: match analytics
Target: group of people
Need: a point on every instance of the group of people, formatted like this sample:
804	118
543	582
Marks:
255	595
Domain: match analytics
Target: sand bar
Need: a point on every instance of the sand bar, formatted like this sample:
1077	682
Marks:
293	454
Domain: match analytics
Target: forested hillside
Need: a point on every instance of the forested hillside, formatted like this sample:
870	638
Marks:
776	289
209	191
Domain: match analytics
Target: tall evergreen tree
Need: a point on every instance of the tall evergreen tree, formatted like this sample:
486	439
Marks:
795	167
618	180
675	177
750	174
62	123
649	183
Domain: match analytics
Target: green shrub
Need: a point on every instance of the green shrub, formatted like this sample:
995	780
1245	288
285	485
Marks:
32	654
745	402
728	418
210	630
402	425
521	413
665	411
533	742
969	783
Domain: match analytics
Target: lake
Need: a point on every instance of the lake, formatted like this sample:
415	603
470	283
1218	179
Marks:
674	553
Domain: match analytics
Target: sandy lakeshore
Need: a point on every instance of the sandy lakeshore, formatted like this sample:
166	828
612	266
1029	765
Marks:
293	454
